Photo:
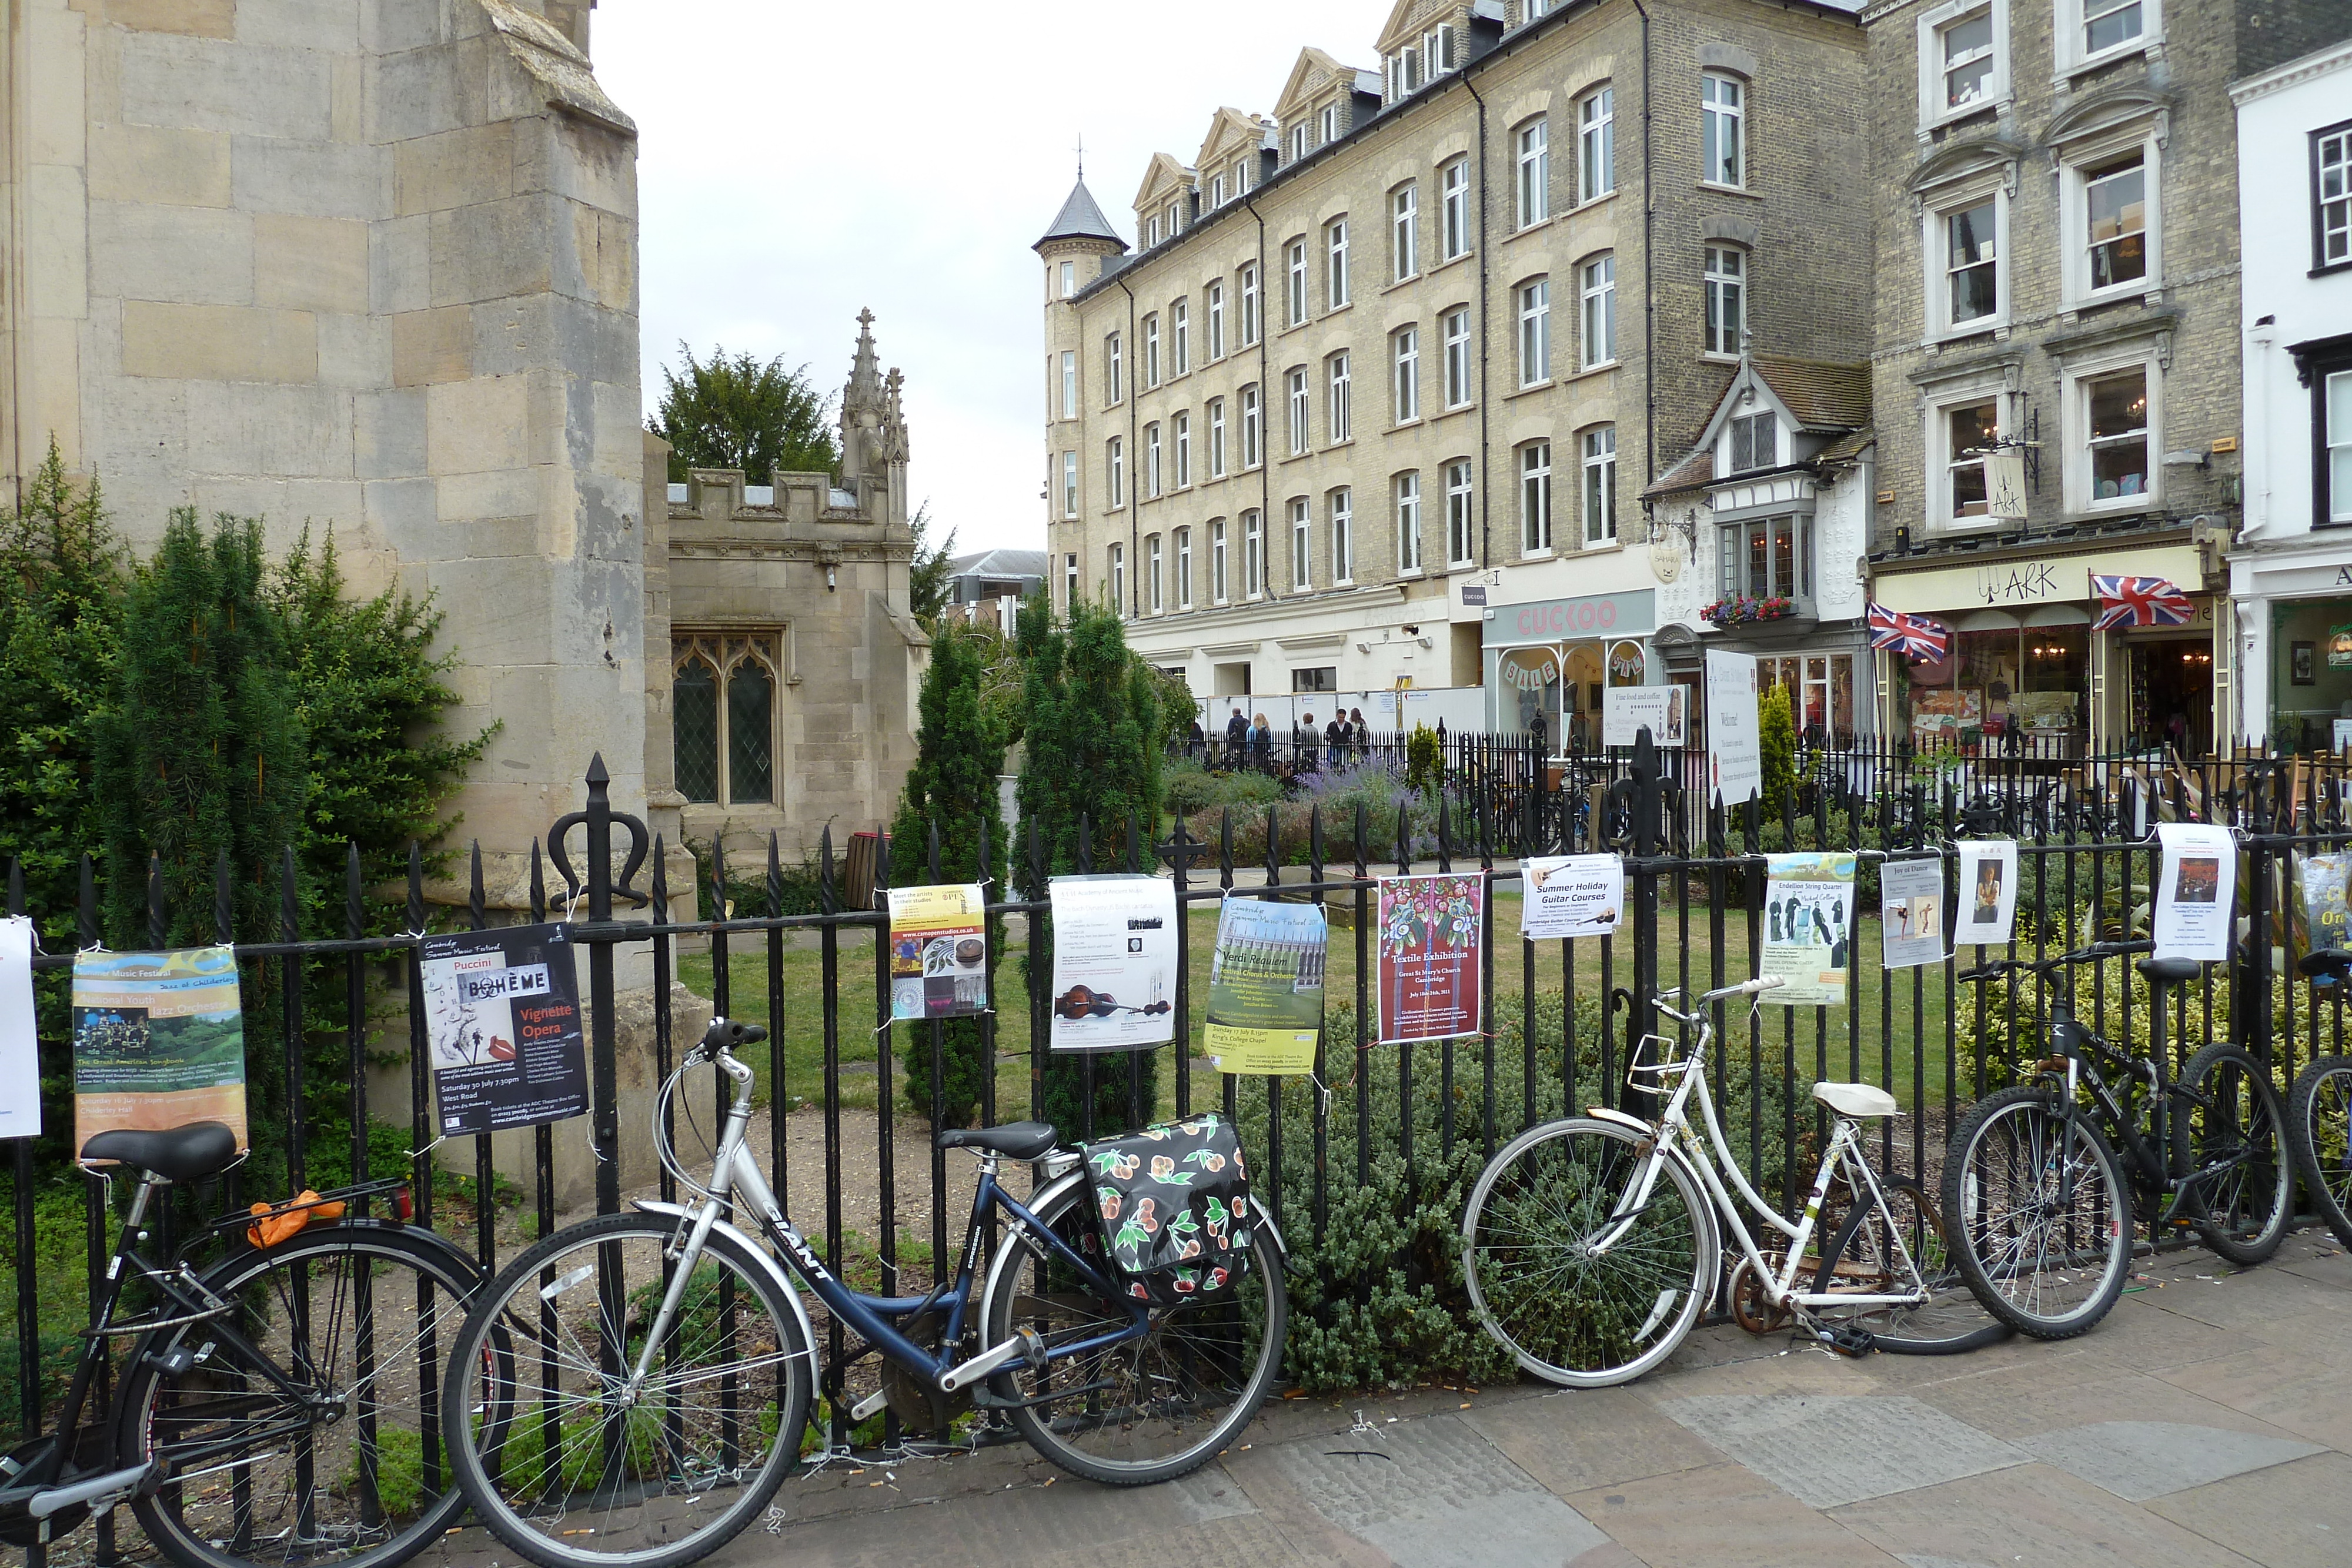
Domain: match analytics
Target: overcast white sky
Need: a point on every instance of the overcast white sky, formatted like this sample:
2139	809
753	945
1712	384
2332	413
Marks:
798	162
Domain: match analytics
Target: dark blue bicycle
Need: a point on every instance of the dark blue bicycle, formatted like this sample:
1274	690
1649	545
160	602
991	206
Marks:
663	1362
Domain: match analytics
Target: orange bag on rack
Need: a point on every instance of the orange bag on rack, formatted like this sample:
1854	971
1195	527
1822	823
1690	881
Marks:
272	1226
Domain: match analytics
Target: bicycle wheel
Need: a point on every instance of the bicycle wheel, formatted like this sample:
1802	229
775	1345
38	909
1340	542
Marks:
348	1468
2319	1131
1580	1297
1899	1249
587	1472
2037	1213
1145	1409
2232	1119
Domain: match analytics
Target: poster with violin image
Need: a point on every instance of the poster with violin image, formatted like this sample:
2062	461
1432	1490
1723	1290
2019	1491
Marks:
502	1015
939	951
1114	962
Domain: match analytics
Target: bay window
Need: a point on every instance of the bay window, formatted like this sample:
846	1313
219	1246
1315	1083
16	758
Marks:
1768	557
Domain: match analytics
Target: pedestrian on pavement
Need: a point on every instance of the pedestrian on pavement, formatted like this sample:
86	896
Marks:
1302	743
1335	738
1261	739
1362	736
1236	738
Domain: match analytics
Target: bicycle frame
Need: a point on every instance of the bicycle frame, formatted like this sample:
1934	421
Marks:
1675	1138
736	1177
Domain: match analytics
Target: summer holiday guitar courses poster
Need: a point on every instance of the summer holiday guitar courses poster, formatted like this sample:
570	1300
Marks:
1571	896
1114	962
1430	933
20	1057
1266	986
2196	901
158	1041
502	1011
939	951
1809	928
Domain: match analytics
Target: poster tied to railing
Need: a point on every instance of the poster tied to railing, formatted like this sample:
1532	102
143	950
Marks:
1431	930
502	1012
20	1056
1114	962
939	951
1809	928
2319	911
2196	901
158	1041
1911	913
1734	745
1988	892
1571	896
1266	986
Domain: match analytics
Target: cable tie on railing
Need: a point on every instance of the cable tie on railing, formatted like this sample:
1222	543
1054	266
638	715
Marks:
420	1154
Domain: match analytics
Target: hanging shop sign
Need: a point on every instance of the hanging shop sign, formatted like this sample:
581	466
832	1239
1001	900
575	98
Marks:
1809	928
2339	648
1114	962
1266	986
20	1055
502	1011
1629	614
1429	935
2022	584
158	1041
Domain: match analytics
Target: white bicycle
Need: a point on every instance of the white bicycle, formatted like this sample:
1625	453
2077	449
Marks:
1592	1245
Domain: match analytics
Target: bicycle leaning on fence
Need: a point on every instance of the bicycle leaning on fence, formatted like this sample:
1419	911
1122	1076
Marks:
665	1362
1591	1244
2034	1196
2319	1113
280	1406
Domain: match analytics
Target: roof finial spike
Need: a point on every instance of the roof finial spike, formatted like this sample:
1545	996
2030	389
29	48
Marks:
1082	155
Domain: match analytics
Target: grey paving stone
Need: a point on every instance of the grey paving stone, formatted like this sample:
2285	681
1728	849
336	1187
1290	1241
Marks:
2034	1516
1434	1494
2290	1516
1922	1560
1829	1450
2141	1460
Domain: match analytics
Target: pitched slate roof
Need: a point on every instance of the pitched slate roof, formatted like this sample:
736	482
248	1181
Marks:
1080	218
1822	396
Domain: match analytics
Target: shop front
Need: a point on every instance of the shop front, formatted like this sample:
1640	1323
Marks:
2060	656
1552	659
2295	630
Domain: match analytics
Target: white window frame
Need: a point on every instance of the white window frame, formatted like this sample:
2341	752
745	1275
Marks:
1942	459
1069	383
1327	124
1342	506
1180	335
1297	141
1455	328
1253	555
1251	325
1216	319
1152	231
1253	428
2071	49
1114	370
1723	113
2336	456
2074	386
1153	584
1933	69
1533	190
1726	298
1151	350
1404	490
1069	278
1533	299
1217	542
1335	264
1069	581
1216	438
1597	492
2331	196
1294	297
1440	52
1338	408
1184	569
1596	315
1118	556
1404	232
1070	484
1183	444
1461	513
1302	546
1453	210
1115	461
1936	244
1217	190
2077	165
1152	461
1532	464
1299	425
1405	362
1596	143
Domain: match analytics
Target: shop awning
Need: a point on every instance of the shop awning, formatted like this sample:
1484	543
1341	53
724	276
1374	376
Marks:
2140	601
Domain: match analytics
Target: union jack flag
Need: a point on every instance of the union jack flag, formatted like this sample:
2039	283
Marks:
2141	602
1913	636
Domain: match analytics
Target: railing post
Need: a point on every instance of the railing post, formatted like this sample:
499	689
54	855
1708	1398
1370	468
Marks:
602	1070
1642	1021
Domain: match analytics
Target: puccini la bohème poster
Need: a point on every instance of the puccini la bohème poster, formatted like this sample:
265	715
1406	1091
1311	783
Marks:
1431	932
158	1041
1266	986
1809	928
502	1012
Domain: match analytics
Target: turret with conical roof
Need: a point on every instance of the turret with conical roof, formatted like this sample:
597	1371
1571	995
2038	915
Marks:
1079	218
1077	248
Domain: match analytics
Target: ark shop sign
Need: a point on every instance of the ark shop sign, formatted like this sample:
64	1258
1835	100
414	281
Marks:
2022	584
1591	615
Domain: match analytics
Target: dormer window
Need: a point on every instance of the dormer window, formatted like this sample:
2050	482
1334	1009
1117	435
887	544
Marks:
1298	142
1152	230
1405	73
1328	126
1216	190
1754	442
1437	50
1170	214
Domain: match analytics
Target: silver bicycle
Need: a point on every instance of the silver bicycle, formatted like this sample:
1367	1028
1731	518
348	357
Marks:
1592	1245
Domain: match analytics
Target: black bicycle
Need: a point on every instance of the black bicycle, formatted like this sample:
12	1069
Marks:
280	1406
2035	1196
2319	1113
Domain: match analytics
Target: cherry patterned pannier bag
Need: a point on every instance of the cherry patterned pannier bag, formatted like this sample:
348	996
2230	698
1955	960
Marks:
1172	1209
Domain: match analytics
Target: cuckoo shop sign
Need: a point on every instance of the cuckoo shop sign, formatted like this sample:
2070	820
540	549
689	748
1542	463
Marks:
1590	615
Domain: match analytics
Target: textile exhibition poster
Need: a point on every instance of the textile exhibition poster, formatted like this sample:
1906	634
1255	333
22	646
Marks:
158	1041
1266	986
1809	928
502	1011
1430	933
1114	962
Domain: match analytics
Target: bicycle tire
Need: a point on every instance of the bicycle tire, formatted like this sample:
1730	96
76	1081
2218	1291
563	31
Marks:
1548	1193
637	1451
2319	1133
1864	1259
158	1411
1186	1347
2244	1215
2016	1128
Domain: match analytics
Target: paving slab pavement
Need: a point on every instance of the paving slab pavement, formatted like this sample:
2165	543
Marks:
2207	1422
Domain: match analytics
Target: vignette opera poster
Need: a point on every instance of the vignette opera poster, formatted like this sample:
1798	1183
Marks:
1430	931
502	1014
158	1041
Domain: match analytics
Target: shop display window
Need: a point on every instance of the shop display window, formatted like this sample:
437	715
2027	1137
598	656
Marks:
2018	689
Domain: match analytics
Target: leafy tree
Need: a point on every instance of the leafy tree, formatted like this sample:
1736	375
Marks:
736	412
953	788
1776	735
1094	747
928	579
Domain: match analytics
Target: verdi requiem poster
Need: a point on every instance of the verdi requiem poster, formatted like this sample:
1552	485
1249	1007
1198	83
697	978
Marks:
502	1012
158	1041
1430	933
1114	962
1266	986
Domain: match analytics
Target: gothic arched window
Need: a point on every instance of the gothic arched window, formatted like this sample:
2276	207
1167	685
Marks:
723	716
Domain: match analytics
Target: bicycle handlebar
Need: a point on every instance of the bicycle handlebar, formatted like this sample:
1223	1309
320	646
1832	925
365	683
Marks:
1997	967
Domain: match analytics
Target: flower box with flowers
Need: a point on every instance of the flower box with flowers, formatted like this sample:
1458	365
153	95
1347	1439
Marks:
1739	607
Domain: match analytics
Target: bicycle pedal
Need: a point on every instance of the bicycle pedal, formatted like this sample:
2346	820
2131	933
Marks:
1846	1339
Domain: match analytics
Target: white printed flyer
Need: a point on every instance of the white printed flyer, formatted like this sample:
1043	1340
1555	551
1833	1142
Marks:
2196	899
1734	745
20	1054
1567	897
1911	913
1114	962
1987	894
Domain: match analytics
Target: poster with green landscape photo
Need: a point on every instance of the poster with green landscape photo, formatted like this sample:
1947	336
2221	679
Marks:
158	1041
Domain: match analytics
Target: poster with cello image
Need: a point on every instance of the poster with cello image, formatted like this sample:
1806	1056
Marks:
1431	933
158	1041
939	951
502	1015
1809	928
1114	962
2196	895
1266	986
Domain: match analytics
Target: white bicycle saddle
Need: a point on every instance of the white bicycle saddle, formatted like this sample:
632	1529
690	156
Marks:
1857	1100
